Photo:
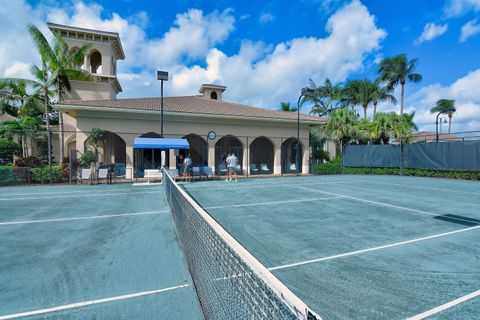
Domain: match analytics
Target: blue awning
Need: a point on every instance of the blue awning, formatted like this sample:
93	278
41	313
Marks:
160	143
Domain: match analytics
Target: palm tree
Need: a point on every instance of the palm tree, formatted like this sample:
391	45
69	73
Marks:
326	97
26	128
389	125
63	65
444	105
397	70
342	125
360	92
18	100
285	106
381	94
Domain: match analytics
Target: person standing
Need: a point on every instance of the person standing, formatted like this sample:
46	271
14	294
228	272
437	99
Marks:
187	165
232	161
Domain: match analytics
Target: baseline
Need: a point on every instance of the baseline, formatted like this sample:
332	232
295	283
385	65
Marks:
82	218
89	303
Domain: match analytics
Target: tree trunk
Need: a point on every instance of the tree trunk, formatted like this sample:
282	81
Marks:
49	140
365	111
375	108
60	123
449	122
402	97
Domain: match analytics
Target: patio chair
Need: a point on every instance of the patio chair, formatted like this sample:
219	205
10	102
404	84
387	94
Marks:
120	170
293	167
207	172
196	172
222	169
253	168
85	174
102	174
264	168
153	174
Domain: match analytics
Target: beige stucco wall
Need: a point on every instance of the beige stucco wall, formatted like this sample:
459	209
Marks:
84	90
129	125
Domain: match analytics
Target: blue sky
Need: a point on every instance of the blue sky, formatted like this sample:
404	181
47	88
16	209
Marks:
264	52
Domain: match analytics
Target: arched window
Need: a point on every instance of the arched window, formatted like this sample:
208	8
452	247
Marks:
213	95
289	153
96	62
261	156
198	150
224	147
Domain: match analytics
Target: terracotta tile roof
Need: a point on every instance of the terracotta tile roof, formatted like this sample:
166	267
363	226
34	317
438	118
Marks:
193	105
6	117
427	136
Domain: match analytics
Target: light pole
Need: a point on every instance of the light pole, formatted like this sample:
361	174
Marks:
436	121
305	92
162	76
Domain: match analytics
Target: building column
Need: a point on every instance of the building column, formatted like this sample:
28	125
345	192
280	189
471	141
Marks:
305	157
80	139
172	159
129	156
211	153
277	155
246	154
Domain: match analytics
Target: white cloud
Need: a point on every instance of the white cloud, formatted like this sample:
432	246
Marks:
431	31
259	74
469	29
456	8
467	99
279	74
266	18
18	70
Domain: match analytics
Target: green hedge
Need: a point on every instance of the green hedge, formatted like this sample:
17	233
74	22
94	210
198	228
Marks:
42	175
6	176
335	167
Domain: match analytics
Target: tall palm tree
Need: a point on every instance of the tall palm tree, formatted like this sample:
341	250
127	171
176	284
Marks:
360	92
442	106
63	65
397	70
326	97
381	94
18	100
285	106
26	128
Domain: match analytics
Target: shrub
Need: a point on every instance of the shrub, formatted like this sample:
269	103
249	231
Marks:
8	148
332	167
6	176
87	158
42	175
30	162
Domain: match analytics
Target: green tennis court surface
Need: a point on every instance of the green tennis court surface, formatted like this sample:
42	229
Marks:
360	247
91	252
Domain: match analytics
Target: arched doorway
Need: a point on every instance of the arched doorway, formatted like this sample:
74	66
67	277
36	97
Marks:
149	158
96	62
289	151
261	156
198	150
224	147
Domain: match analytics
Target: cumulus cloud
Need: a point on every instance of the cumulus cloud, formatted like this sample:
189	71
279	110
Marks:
266	18
456	8
467	99
279	74
469	29
431	31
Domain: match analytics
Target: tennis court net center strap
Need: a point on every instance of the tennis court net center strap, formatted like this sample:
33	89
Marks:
230	283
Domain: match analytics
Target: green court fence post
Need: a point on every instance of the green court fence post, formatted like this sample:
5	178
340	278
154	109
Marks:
401	157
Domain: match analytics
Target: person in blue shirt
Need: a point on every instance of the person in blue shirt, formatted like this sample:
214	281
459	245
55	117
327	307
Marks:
232	162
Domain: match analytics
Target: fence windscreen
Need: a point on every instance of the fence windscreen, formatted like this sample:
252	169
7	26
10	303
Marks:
439	156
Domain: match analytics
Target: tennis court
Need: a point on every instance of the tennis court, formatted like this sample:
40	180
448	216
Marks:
360	247
91	252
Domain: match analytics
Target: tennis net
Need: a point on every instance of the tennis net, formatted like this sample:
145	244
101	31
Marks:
230	283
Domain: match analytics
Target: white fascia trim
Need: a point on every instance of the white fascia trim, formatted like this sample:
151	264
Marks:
184	114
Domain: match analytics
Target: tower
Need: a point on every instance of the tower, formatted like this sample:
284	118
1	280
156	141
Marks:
212	91
101	61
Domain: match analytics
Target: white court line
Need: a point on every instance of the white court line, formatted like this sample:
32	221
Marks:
347	254
445	306
270	203
423	187
68	192
257	185
385	204
82	195
88	303
82	218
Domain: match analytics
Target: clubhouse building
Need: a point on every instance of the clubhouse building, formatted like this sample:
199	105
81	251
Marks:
264	140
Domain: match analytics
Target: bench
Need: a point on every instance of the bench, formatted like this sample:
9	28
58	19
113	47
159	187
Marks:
152	174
